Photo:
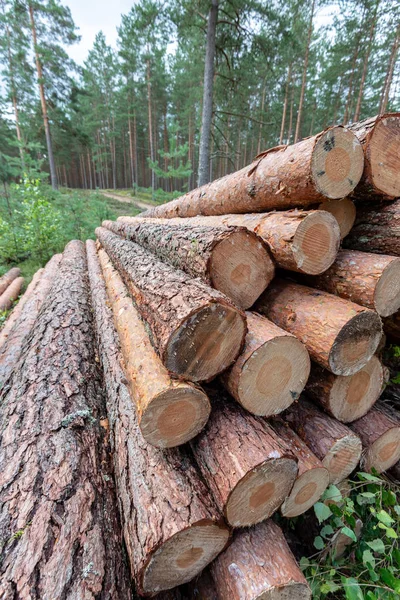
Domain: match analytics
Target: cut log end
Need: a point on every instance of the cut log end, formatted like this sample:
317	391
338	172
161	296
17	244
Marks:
307	490
343	457
316	243
241	268
384	453
175	416
344	211
356	343
184	556
260	493
337	163
387	291
206	343
384	152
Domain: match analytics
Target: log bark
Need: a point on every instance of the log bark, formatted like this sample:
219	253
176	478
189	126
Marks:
346	398
344	211
379	431
336	446
377	229
327	165
391	326
8	277
171	526
58	518
271	371
371	280
259	564
169	412
196	330
234	261
312	478
244	463
380	139
339	335
9	296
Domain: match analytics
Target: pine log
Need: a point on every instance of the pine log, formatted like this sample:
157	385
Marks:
379	431
196	330
344	211
377	229
391	326
339	335
58	519
169	412
336	446
11	349
346	398
8	277
234	261
259	565
380	139
248	469
312	478
171	526
327	165
9	296
271	371
371	280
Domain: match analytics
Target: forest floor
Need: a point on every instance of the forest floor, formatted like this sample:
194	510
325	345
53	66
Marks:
128	199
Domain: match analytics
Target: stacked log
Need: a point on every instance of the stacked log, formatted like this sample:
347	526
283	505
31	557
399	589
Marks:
377	229
8	278
11	293
344	211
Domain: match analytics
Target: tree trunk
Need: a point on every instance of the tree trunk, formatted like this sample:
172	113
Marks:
346	398
339	335
261	116
131	153
336	446
344	211
171	526
328	165
303	81
60	530
259	564
389	75
350	95
271	371
150	117
285	104
206	119
197	332
8	278
244	463
11	293
377	229
232	260
312	478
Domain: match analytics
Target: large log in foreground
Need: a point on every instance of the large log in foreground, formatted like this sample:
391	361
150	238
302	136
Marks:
344	211
169	412
11	293
339	335
8	277
327	165
259	565
196	330
377	229
234	261
171	526
270	372
58	518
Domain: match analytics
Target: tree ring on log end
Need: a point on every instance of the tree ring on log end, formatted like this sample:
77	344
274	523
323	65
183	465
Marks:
355	343
175	416
384	452
206	342
307	490
387	291
343	457
241	267
274	376
316	243
260	493
184	556
337	163
289	591
344	211
383	156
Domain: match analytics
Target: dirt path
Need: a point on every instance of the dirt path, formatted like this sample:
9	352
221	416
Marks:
128	200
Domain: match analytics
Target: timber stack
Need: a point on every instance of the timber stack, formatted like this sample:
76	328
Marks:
218	358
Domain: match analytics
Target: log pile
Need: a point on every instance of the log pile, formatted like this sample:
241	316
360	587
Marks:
221	392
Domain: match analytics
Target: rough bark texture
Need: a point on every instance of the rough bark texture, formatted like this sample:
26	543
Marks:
11	293
344	211
160	494
326	165
8	277
339	335
259	562
59	527
196	330
377	229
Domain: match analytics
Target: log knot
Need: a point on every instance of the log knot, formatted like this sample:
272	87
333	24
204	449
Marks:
78	418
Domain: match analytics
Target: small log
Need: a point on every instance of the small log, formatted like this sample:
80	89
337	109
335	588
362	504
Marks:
169	412
371	280
196	330
377	229
248	469
234	261
271	371
379	431
11	293
391	326
344	211
257	565
380	139
327	165
336	446
339	335
8	277
312	478
346	398
171	526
